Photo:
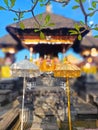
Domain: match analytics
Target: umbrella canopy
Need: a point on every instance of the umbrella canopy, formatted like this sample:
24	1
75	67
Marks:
67	69
25	68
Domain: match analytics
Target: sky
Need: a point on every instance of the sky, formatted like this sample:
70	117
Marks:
6	18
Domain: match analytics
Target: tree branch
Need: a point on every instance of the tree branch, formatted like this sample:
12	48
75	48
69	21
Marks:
25	11
83	11
92	12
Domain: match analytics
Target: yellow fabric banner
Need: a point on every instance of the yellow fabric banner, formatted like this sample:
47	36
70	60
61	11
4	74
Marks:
5	72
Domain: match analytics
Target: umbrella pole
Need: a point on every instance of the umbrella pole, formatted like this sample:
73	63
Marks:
31	53
69	112
22	114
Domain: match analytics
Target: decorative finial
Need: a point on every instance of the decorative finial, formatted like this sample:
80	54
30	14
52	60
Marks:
49	8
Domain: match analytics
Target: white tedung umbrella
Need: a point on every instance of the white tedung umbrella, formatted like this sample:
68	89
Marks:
24	68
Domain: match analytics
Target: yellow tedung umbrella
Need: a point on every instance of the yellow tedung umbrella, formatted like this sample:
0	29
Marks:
67	70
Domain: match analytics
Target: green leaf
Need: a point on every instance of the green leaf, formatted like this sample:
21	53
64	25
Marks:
75	7
77	27
36	30
15	19
94	4
2	8
96	28
90	9
77	1
40	0
6	2
91	14
83	1
21	15
51	24
42	5
22	25
73	32
47	19
42	36
81	22
79	37
96	36
12	2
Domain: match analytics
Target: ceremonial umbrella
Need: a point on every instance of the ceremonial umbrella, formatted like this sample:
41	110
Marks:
24	69
67	70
